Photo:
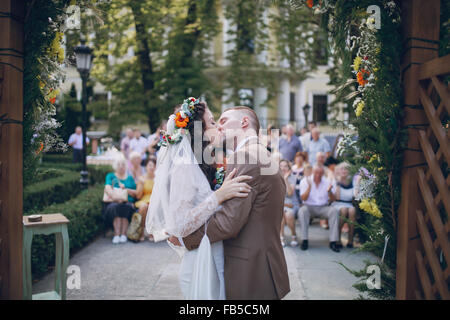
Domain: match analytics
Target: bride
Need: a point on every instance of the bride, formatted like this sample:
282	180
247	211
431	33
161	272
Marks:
183	198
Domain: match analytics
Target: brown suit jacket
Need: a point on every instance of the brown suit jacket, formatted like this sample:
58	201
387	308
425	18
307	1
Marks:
255	266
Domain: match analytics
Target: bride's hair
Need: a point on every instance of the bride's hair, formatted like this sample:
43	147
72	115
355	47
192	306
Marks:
208	170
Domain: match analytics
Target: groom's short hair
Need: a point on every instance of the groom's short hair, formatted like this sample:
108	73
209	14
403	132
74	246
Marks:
254	121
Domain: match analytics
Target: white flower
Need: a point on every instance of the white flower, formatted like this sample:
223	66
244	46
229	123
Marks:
183	114
171	124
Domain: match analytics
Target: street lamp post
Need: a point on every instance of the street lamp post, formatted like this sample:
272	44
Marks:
84	59
306	109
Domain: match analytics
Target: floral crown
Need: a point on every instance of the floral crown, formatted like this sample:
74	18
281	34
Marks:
178	122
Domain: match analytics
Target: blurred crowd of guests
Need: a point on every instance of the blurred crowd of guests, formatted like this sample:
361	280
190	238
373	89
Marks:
318	186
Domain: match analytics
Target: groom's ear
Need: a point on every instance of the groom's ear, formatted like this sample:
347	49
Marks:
245	122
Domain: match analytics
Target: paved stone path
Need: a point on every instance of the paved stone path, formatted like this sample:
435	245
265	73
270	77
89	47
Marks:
150	270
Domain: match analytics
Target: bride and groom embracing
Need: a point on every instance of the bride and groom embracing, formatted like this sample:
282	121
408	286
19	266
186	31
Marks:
228	234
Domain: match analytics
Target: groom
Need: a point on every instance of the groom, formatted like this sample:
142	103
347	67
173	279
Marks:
255	266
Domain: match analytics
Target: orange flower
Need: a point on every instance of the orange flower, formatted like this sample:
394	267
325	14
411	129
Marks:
181	122
41	147
310	3
362	77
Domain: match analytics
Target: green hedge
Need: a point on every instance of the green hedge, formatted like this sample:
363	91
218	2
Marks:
84	213
97	174
62	165
58	157
95	171
55	190
43	174
61	188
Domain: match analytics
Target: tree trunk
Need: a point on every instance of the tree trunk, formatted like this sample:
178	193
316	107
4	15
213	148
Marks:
145	64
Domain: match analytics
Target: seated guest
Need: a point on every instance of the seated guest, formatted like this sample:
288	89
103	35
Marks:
134	166
330	164
291	203
119	213
344	194
307	172
300	160
320	159
317	144
144	191
315	193
290	144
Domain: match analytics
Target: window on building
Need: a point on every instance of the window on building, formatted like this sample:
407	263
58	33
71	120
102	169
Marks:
320	104
292	107
246	97
320	50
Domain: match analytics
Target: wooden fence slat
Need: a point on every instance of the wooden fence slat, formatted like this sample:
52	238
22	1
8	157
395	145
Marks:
443	93
433	213
435	67
436	126
435	170
431	255
423	276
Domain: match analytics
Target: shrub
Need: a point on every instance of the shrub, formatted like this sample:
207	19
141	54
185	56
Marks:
43	174
97	173
62	165
58	157
84	213
63	186
55	190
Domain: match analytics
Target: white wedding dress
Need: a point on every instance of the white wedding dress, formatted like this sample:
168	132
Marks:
181	202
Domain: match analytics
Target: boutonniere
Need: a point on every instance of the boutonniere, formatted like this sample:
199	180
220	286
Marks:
220	176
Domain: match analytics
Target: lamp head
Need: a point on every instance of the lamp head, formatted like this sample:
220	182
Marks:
84	58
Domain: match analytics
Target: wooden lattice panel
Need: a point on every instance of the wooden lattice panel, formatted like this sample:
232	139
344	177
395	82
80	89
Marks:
432	259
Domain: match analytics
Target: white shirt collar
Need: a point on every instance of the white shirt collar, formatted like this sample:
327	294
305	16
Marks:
243	142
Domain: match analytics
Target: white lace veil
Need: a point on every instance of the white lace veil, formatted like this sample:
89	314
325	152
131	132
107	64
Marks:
179	187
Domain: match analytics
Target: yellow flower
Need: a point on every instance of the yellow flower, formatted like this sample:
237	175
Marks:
377	50
359	108
357	63
373	158
55	50
73	2
371	207
60	55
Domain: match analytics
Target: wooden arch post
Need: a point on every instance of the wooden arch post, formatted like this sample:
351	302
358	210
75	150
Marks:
420	22
11	136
